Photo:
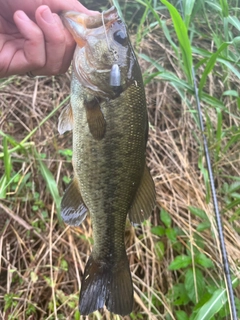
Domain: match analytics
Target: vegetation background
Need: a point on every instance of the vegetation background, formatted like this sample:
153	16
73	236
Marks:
174	256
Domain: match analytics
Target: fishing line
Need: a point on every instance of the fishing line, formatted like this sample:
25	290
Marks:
105	31
225	262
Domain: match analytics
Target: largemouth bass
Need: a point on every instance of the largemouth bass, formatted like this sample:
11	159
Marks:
109	119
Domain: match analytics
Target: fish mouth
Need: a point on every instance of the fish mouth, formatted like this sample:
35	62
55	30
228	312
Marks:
81	25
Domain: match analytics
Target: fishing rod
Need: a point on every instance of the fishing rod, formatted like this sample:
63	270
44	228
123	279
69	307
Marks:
226	268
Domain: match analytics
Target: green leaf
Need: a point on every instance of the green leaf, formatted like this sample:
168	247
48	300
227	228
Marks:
188	8
234	187
198	212
64	265
203	260
168	37
224	7
77	315
213	305
7	159
159	249
117	6
194	284
179	295
23	144
34	277
181	315
203	226
3	186
165	218
232	93
210	65
171	234
181	31
180	262
158	231
50	181
234	21
204	172
218	135
204	299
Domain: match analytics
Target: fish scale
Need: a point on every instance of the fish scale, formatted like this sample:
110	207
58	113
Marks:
111	179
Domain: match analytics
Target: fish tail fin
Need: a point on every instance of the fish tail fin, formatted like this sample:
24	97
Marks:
106	285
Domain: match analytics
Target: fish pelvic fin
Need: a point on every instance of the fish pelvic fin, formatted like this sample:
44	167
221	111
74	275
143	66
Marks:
95	119
73	209
103	285
65	121
144	200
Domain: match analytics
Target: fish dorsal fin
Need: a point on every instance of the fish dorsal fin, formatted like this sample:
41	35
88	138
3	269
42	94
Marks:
95	119
73	209
65	121
144	200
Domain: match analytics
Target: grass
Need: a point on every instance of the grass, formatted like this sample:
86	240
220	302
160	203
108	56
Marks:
174	256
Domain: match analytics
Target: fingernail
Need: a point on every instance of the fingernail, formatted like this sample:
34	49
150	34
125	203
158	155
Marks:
22	15
56	18
47	16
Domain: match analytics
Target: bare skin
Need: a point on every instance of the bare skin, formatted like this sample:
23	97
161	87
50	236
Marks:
33	38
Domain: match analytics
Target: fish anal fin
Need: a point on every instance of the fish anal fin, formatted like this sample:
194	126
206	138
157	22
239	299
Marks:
73	209
65	121
104	284
95	119
144	200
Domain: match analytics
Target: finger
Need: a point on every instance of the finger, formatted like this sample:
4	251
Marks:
70	45
8	49
8	7
56	41
32	54
57	6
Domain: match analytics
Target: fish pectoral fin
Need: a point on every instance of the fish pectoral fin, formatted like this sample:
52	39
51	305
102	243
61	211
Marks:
73	209
144	200
65	121
95	119
103	284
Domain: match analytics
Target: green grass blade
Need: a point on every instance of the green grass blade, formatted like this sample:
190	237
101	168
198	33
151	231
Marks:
210	65
204	172
224	7
23	144
188	6
234	21
165	75
168	37
117	6
160	22
50	181
213	305
218	135
6	159
182	34
140	27
3	186
233	140
10	139
45	120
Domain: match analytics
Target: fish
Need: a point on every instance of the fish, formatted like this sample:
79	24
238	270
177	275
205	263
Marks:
108	116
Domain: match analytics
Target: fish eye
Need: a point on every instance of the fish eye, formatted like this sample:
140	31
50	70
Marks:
120	37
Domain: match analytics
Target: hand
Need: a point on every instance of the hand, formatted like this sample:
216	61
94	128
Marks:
33	38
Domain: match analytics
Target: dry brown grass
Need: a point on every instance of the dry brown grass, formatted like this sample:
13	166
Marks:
34	248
